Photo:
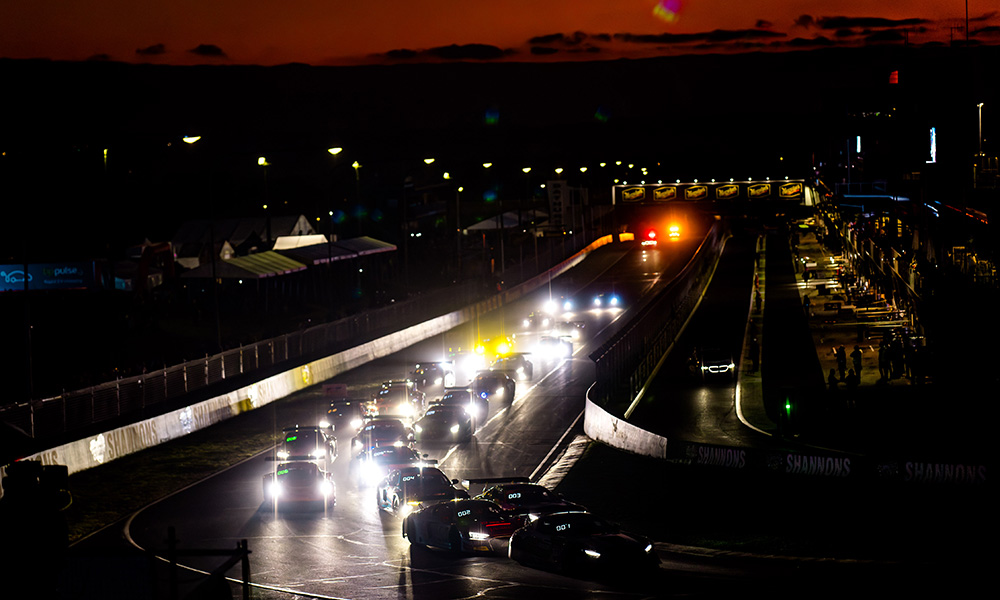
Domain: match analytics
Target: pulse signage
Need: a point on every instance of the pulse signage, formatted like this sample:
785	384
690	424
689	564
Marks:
52	276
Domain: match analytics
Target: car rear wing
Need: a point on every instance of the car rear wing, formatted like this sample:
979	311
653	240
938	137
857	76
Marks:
486	481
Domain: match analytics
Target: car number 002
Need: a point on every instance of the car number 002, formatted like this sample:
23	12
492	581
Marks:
464	513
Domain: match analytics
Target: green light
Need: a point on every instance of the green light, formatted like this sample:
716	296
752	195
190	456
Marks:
292	439
283	472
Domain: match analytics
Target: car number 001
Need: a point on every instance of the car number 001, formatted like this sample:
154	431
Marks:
464	513
563	527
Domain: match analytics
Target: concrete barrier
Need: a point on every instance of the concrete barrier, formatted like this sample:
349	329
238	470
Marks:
614	431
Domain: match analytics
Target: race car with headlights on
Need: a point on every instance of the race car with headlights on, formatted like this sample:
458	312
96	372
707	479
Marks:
714	363
345	414
299	484
432	377
515	364
557	305
552	347
478	408
604	301
518	497
568	329
379	432
460	526
398	398
306	444
443	423
412	488
372	465
493	385
582	543
537	321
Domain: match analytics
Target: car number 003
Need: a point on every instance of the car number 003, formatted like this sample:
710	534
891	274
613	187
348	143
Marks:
464	513
513	496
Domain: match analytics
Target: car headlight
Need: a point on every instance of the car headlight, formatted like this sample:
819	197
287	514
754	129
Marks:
371	472
418	428
326	487
499	392
356	423
274	489
567	306
613	301
597	302
438	381
406	410
472	410
649	548
283	454
319	453
454	428
592	553
324	424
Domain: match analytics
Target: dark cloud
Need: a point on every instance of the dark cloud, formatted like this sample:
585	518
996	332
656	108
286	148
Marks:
869	22
208	50
816	42
716	36
547	39
602	37
805	21
985	17
154	50
402	54
762	24
991	31
466	52
890	35
543	50
843	33
99	57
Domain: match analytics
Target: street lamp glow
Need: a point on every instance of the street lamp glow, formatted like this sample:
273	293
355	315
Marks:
604	164
356	165
262	161
618	162
526	170
559	170
487	165
428	161
190	139
447	175
583	169
335	151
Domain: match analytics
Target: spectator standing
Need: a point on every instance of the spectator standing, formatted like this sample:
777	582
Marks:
856	358
841	355
831	379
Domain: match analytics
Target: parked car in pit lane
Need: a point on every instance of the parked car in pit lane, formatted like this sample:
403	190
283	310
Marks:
518	497
443	423
372	465
306	443
714	363
516	365
581	543
412	488
493	385
299	484
460	526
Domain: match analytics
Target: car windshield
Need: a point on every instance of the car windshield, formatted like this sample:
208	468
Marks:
302	441
455	397
426	482
444	412
528	494
298	472
393	454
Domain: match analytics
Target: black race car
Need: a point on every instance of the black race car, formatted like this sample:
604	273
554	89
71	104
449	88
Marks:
460	526
581	543
493	385
518	497
373	464
306	443
345	414
412	488
516	365
443	423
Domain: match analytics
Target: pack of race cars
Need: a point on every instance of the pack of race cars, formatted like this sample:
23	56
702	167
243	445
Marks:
513	516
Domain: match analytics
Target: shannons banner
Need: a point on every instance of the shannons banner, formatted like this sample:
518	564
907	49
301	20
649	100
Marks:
50	276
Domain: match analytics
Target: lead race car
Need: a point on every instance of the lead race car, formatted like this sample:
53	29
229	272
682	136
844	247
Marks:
299	484
464	525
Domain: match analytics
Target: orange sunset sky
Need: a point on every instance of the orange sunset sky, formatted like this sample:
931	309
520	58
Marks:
337	32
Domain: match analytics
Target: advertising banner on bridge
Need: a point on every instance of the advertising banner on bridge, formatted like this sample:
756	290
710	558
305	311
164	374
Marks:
729	191
759	191
48	276
792	189
665	193
696	192
635	193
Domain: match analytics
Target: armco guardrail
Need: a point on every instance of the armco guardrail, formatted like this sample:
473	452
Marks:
91	451
625	362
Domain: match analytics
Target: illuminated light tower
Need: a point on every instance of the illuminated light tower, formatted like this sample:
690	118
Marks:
267	217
